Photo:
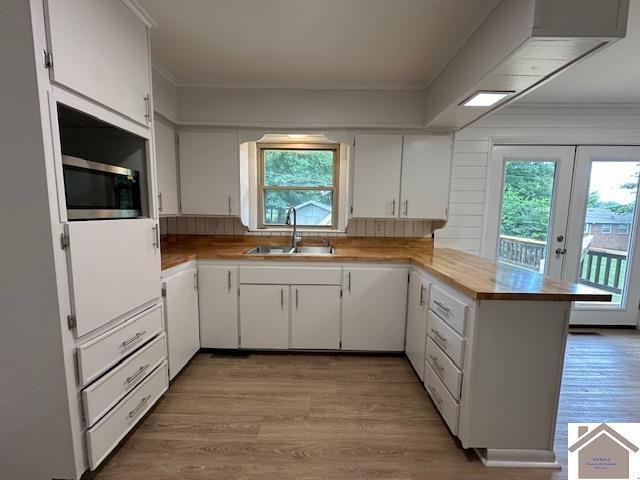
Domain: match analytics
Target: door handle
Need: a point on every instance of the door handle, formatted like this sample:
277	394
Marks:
393	208
229	198
296	299
160	201
349	282
282	299
421	295
156	235
406	207
229	280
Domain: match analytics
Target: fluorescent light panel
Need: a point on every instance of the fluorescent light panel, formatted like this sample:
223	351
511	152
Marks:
486	98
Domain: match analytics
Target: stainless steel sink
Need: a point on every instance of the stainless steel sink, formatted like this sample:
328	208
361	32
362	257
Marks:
315	250
270	250
286	250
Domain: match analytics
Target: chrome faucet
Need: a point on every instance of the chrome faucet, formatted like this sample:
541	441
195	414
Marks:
295	239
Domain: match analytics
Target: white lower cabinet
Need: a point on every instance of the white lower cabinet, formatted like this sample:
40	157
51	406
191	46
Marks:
374	308
315	317
446	404
264	316
218	304
181	314
416	334
105	435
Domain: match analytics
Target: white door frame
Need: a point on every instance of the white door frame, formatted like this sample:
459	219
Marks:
564	157
596	313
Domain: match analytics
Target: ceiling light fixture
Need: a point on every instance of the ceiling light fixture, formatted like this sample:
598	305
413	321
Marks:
486	98
297	135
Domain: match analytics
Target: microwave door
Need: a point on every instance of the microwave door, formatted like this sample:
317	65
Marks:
95	190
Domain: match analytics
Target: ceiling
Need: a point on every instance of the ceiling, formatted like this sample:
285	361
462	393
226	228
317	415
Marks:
310	43
611	76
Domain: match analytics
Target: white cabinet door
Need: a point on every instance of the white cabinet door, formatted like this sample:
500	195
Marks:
426	172
181	313
114	268
416	333
374	307
376	176
315	316
218	286
100	49
209	173
167	172
264	316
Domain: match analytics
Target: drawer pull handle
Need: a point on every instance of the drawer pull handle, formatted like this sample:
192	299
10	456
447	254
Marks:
442	306
140	371
436	364
421	295
140	406
436	397
440	337
137	336
229	281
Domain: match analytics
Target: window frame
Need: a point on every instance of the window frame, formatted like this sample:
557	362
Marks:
626	229
609	229
335	148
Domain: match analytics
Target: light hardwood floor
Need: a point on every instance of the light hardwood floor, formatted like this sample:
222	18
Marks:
346	417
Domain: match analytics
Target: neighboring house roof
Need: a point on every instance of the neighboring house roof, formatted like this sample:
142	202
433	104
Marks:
314	203
604	215
600	430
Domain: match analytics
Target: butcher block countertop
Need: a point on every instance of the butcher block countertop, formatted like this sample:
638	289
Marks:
476	277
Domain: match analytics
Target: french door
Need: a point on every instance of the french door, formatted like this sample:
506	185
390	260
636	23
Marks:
570	212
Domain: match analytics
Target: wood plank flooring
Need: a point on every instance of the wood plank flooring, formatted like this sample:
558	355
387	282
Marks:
346	417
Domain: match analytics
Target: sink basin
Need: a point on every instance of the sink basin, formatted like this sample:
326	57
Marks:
315	250
270	250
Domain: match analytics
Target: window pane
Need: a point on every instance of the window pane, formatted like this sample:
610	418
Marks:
611	205
526	211
299	168
313	207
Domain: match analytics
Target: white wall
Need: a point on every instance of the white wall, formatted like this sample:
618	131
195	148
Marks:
534	126
35	424
165	95
275	108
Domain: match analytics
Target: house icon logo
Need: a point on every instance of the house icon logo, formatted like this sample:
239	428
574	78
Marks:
604	451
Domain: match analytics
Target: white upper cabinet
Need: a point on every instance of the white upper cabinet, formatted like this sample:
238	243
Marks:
209	173
100	49
114	269
166	167
374	307
396	176
376	176
426	172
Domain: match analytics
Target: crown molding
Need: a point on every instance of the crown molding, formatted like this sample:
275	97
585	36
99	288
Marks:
164	73
140	12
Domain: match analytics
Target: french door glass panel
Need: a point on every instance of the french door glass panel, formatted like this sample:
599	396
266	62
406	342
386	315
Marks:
533	206
602	233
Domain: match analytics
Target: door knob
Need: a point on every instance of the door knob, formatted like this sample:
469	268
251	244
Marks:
561	251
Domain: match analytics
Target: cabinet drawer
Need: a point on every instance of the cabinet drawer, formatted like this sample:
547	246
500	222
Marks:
106	392
108	432
453	311
103	352
445	337
446	370
446	404
291	275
